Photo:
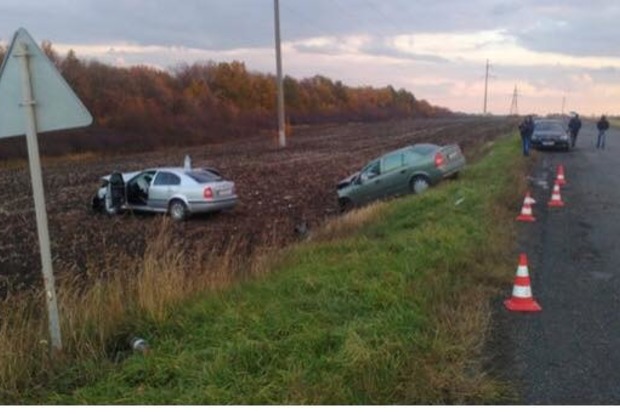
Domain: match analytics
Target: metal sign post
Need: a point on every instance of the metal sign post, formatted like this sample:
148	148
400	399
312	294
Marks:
35	98
36	176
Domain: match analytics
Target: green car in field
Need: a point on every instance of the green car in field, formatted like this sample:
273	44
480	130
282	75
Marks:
411	169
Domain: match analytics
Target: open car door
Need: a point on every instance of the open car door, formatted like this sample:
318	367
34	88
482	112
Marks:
115	194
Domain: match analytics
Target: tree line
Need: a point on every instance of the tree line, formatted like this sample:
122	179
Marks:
141	107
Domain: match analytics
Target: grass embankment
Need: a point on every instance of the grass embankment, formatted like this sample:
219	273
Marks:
387	305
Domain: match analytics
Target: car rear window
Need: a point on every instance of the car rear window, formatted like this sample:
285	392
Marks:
549	126
424	149
411	156
203	176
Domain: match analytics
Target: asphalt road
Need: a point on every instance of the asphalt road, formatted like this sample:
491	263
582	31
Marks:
569	353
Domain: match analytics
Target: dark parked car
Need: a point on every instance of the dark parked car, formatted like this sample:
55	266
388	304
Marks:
550	133
411	169
174	190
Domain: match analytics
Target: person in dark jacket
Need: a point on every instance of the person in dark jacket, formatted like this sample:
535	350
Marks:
526	128
574	125
602	125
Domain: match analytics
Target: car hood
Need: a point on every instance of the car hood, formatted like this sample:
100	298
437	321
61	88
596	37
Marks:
553	135
347	181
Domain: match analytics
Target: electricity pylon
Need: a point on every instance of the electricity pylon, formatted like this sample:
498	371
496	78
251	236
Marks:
514	107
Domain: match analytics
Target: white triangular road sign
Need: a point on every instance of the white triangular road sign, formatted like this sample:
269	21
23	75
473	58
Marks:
56	105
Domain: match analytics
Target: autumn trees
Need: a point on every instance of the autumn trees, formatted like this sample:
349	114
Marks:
142	107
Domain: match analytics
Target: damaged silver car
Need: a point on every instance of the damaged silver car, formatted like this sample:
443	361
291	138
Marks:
178	191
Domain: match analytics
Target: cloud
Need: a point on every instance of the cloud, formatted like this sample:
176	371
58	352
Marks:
364	45
387	51
208	24
574	28
436	49
329	45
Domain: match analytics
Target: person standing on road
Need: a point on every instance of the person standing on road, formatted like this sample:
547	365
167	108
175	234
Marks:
602	125
574	125
526	128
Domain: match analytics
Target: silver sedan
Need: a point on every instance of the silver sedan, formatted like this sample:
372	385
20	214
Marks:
174	190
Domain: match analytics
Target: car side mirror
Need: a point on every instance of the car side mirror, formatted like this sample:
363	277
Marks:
367	176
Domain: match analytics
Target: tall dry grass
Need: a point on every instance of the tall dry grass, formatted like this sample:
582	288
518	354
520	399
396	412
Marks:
99	316
342	226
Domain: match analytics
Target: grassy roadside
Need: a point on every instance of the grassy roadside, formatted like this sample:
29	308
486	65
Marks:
388	305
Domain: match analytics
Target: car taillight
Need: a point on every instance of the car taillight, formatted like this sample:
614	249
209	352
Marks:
208	193
439	159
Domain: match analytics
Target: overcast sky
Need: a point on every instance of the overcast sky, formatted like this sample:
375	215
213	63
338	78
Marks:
559	54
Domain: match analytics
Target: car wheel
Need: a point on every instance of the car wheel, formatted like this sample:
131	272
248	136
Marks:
96	204
345	205
419	184
177	210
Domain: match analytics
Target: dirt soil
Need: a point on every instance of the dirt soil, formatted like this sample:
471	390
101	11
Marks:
279	189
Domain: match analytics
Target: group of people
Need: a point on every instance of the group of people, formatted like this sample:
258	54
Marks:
526	128
574	125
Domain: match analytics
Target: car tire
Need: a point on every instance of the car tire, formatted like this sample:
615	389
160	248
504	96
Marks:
178	210
96	204
419	184
345	205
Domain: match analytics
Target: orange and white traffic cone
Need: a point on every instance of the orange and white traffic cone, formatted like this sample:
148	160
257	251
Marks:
560	175
522	299
556	198
526	210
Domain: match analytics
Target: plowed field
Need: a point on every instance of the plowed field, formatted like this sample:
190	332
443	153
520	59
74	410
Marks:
279	189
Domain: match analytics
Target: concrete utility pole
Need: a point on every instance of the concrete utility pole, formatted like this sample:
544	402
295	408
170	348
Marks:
486	84
281	130
563	103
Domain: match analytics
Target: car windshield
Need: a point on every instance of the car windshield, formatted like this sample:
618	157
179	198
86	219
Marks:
203	176
372	169
549	127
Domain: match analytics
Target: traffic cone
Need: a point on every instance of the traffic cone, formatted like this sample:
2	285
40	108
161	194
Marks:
556	198
522	299
529	198
560	175
526	210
